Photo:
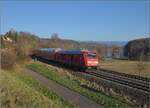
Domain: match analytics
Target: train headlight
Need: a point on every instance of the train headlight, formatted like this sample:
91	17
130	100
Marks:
96	62
91	62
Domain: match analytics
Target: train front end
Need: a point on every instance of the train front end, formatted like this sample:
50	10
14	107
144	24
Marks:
91	59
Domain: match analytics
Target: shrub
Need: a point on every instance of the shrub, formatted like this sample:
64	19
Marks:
7	59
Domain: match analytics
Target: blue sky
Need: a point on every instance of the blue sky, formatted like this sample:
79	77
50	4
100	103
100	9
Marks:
116	20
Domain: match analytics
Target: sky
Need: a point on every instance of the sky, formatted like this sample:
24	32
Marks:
85	20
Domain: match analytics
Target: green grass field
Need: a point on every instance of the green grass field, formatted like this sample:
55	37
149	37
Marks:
70	82
18	90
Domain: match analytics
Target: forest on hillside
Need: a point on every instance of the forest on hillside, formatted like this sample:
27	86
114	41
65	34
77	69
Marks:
138	49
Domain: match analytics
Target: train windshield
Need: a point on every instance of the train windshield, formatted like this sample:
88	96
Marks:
91	55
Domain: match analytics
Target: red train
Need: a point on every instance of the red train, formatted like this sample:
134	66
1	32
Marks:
80	59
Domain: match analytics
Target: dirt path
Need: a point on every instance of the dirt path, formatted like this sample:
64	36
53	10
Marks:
75	98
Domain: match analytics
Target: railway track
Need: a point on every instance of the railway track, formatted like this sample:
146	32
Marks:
123	80
139	84
126	75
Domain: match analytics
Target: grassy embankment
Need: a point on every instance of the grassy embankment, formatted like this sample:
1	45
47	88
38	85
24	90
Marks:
127	66
18	90
70	82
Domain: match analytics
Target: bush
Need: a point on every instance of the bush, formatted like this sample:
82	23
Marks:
7	59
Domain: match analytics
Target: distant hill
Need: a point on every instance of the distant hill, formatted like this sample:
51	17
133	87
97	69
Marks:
109	43
115	43
70	44
138	49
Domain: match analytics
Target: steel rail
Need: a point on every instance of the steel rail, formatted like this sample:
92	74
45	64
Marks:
122	80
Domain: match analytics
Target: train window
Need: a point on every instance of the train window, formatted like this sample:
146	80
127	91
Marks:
91	55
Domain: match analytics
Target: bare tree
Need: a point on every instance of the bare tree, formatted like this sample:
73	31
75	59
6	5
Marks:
99	52
54	36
